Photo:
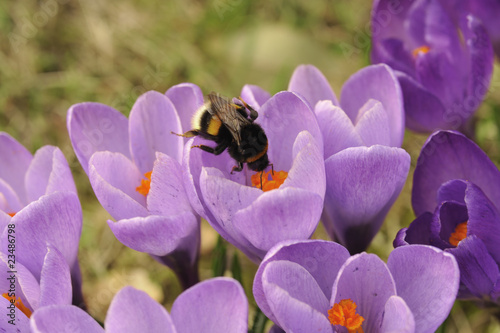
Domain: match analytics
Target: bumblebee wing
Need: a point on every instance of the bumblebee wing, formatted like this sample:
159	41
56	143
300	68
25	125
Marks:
228	114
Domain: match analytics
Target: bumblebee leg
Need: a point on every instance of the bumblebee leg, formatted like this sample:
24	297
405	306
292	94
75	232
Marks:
216	151
188	134
205	148
237	168
220	148
261	173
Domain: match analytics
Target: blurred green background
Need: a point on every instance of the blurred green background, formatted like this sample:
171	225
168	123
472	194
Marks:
55	53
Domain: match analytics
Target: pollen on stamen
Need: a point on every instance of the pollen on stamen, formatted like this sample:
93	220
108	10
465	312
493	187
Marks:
459	234
145	184
18	303
11	214
270	180
422	49
344	313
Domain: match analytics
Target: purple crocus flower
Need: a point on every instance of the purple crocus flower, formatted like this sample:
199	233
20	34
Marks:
443	59
212	306
24	293
39	207
134	168
365	168
251	219
456	198
314	285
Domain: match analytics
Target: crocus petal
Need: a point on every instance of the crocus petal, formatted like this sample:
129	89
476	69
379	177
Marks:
427	279
393	52
49	172
478	270
308	169
309	82
376	82
27	287
289	213
429	73
481	53
10	202
283	117
187	98
223	198
55	280
365	279
484	219
96	127
167	195
362	184
446	156
322	259
337	129
58	219
295	299
212	306
63	318
424	111
397	317
158	235
420	231
193	162
15	162
254	96
20	323
151	122
133	310
372	124
453	190
114	179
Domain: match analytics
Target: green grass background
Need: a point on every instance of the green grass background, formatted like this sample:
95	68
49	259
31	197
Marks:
57	53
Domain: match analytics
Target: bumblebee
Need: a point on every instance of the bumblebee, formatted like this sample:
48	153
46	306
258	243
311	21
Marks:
230	126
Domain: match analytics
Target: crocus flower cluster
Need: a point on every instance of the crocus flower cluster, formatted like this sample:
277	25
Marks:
212	306
365	168
315	286
442	56
456	198
41	221
134	168
338	160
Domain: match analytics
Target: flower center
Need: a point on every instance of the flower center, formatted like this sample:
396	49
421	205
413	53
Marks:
145	184
344	313
422	49
11	214
459	234
277	178
18	304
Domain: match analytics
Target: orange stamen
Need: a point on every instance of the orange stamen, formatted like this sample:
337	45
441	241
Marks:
422	49
11	214
145	184
459	234
344	313
18	303
277	178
